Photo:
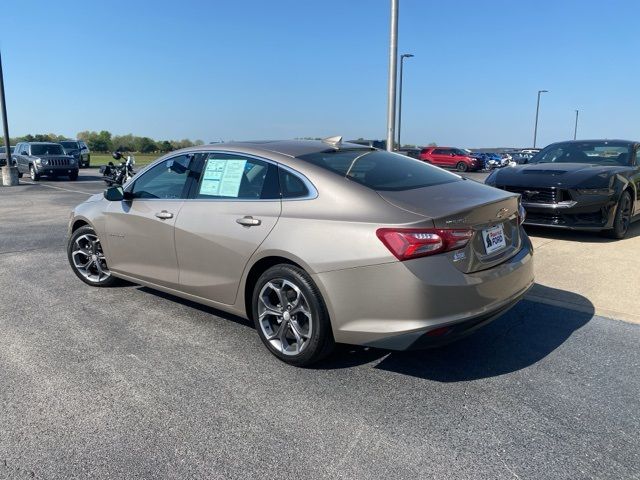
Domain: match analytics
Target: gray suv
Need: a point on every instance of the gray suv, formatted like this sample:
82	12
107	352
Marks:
44	159
78	150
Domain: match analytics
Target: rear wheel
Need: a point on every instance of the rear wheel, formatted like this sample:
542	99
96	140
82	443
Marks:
291	317
87	259
622	220
462	167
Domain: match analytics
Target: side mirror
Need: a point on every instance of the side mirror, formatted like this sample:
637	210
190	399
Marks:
114	194
452	154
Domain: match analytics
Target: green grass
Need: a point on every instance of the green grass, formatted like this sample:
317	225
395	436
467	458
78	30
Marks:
142	159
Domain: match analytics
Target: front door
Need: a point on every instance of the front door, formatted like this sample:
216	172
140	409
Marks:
140	231
636	180
234	207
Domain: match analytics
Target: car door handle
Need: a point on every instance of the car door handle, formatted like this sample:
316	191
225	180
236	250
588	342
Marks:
164	215
248	221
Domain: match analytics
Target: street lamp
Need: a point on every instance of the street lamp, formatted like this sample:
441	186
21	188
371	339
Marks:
575	129
535	129
9	172
393	64
402	57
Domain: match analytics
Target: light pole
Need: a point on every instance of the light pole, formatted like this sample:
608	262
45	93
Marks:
402	57
393	72
535	129
575	129
9	172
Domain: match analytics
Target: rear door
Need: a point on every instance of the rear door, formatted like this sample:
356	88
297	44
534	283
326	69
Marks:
234	206
140	232
438	156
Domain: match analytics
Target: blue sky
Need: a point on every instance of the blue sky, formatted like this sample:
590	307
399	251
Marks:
213	69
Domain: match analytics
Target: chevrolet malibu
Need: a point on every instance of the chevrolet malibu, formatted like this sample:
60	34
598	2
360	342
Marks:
317	242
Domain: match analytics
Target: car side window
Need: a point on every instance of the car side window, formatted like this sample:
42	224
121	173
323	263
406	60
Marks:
166	180
231	176
439	151
638	157
25	149
291	185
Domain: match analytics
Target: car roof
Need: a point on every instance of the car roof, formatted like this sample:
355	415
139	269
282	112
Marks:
290	148
600	140
42	143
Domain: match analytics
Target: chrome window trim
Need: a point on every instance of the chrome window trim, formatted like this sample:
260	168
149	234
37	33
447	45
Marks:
313	192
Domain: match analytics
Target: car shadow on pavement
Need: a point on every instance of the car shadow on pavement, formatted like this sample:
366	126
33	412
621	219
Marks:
520	338
198	306
579	235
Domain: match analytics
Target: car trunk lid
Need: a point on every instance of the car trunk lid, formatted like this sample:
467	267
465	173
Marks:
467	204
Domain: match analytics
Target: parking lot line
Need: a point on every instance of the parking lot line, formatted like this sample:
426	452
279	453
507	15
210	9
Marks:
58	188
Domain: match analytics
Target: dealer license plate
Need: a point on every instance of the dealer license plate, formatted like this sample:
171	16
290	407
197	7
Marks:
494	239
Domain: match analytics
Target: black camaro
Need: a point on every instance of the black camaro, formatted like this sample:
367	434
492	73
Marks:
581	185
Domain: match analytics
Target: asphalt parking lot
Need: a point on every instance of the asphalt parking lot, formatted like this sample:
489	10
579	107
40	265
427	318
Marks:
129	382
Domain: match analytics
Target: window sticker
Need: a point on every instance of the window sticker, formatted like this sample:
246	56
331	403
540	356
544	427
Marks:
222	178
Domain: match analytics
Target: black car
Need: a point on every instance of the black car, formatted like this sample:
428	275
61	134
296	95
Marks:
78	150
581	185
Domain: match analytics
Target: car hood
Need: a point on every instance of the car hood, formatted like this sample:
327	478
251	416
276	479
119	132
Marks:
556	175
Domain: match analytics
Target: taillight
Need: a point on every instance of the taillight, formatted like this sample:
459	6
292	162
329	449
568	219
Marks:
407	243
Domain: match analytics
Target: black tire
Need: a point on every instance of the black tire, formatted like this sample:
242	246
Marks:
109	281
73	176
20	174
462	167
32	173
320	342
622	219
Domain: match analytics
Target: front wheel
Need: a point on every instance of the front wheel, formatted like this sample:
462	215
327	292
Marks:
73	176
33	174
291	317
622	220
462	167
87	259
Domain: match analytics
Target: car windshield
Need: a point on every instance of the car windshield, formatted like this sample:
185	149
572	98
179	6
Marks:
600	153
70	145
47	149
380	170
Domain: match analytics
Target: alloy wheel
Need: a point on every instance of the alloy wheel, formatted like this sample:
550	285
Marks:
88	258
284	316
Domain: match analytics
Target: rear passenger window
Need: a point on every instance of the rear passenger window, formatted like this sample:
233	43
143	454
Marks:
230	176
291	185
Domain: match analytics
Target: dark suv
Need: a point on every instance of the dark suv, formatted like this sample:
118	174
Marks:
78	150
44	159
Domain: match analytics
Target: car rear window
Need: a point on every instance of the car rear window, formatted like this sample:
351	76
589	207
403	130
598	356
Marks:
380	170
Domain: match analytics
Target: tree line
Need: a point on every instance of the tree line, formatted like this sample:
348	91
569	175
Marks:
104	141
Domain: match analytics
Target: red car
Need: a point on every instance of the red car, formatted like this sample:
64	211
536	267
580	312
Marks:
450	158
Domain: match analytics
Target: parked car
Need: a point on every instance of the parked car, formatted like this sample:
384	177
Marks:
78	150
3	155
317	241
450	157
44	159
582	185
379	144
410	152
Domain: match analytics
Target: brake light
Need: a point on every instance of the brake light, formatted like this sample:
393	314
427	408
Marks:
408	243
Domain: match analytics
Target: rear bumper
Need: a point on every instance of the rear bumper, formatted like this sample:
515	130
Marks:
422	302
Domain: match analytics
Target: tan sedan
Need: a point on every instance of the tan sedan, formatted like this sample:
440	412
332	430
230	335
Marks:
317	241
